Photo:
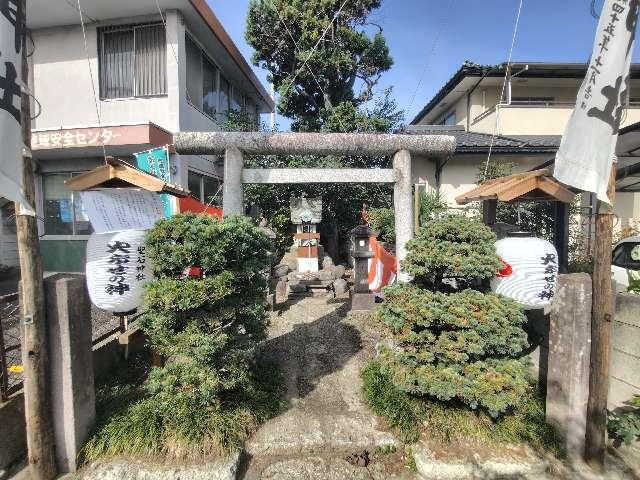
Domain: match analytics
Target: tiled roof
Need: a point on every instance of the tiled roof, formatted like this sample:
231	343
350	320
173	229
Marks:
475	142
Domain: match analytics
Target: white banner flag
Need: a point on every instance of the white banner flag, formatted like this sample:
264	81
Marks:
586	153
11	182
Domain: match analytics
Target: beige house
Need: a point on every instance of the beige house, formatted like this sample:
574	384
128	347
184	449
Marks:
524	126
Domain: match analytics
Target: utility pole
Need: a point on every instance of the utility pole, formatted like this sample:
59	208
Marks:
40	441
601	327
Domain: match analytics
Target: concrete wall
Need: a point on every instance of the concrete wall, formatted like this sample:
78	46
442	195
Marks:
625	357
460	174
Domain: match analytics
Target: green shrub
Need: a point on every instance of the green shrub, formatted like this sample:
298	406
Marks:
208	397
453	247
461	346
432	204
383	221
625	426
458	346
448	422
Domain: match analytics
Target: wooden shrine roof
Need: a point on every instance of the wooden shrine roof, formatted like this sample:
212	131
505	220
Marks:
119	174
536	185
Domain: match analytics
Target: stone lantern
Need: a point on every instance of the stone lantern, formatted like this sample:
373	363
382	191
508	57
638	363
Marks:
362	298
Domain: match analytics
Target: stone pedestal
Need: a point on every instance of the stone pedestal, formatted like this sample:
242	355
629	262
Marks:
68	314
568	363
363	302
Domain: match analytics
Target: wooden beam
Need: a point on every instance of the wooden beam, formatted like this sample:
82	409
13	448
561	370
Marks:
555	189
118	170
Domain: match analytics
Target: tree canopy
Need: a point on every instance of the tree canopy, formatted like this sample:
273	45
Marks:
318	52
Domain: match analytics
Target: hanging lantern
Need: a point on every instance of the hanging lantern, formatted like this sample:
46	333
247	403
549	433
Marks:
529	273
117	270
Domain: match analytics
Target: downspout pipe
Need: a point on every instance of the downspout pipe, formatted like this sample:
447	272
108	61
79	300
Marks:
473	89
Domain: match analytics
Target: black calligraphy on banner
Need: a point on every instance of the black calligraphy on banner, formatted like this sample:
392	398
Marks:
12	11
550	262
11	91
616	101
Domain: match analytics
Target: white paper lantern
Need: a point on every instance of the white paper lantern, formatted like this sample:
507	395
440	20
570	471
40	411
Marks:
530	273
117	270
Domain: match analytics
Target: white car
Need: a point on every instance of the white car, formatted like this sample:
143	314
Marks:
625	263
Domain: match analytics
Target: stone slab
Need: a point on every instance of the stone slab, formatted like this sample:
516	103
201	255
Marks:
121	469
299	143
363	302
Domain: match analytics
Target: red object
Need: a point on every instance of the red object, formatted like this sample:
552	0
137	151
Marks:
190	204
506	271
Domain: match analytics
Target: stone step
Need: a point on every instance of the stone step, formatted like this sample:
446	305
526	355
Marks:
354	466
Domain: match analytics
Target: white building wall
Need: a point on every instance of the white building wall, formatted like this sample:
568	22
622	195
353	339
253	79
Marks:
62	84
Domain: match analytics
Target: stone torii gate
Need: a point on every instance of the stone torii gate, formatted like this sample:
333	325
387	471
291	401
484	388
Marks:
234	145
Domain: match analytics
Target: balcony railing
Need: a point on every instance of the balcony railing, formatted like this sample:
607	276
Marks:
535	104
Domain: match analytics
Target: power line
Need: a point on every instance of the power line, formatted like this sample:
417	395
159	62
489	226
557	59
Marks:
504	84
318	42
443	24
93	85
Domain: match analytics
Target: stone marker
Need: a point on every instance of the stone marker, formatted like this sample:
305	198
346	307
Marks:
280	270
569	351
68	314
340	287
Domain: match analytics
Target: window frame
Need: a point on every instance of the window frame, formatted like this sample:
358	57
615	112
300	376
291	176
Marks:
73	234
219	76
101	31
201	198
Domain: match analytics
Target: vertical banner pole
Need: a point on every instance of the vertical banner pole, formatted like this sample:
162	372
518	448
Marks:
40	442
601	327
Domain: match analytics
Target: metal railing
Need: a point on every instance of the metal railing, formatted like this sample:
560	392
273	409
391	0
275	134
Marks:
10	362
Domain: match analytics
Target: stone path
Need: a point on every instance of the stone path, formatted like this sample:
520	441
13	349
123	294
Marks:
326	428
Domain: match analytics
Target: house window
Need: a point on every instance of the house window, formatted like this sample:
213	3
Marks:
205	188
63	211
449	119
207	89
133	61
225	95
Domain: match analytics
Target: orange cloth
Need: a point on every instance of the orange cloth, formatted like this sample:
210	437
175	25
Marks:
383	267
190	204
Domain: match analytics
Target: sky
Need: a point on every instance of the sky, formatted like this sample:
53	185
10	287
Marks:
430	39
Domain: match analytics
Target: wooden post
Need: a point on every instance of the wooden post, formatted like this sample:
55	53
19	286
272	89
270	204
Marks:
561	234
489	212
601	327
416	207
40	442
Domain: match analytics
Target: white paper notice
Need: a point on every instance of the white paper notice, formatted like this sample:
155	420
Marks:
113	210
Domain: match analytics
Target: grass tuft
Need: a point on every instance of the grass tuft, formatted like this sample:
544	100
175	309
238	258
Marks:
411	416
133	422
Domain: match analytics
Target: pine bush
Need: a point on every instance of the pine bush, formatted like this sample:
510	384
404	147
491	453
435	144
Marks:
211	393
453	247
461	346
